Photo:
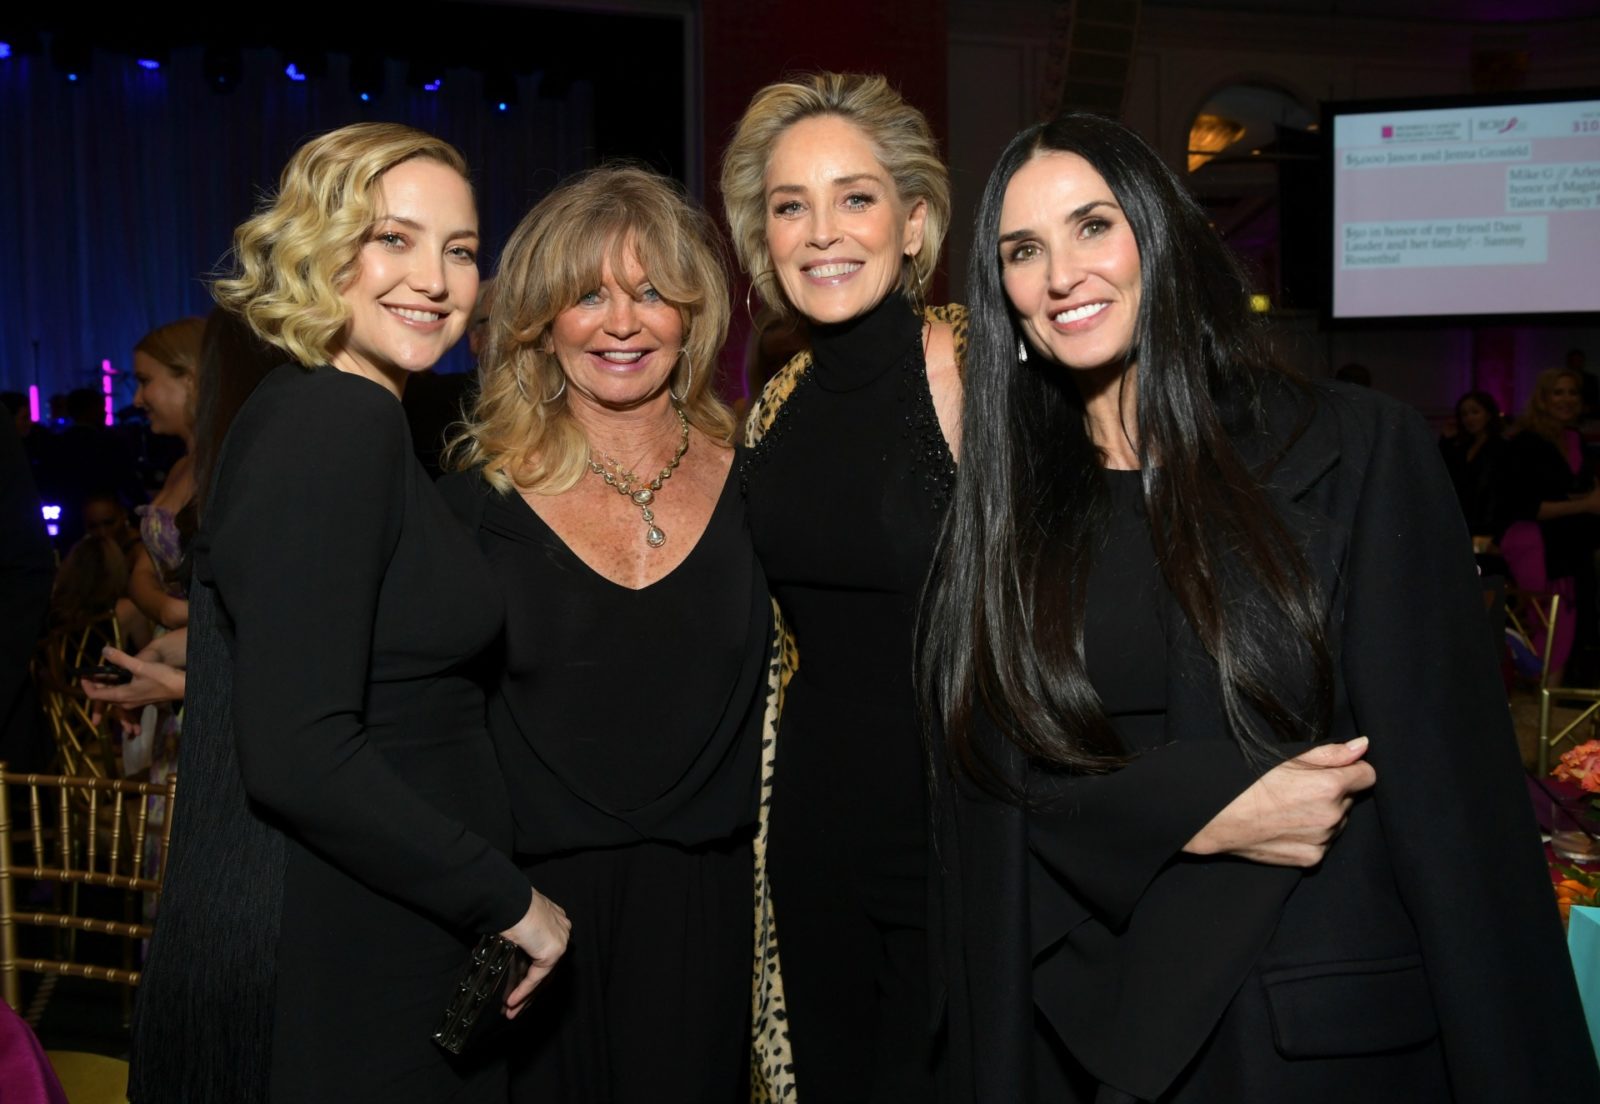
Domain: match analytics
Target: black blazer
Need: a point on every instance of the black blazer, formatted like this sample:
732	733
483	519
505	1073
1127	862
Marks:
1421	961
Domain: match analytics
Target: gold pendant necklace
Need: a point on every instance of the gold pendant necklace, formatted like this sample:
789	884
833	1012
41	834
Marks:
636	490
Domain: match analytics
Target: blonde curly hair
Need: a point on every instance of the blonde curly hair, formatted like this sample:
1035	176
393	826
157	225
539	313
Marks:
897	131
1537	417
520	432
293	257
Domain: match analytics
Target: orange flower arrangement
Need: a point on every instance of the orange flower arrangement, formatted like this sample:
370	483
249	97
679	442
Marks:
1571	891
1581	765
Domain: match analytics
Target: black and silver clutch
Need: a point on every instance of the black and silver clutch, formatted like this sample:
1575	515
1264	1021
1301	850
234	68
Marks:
496	967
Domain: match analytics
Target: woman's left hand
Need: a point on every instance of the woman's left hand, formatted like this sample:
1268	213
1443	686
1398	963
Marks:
542	933
1290	815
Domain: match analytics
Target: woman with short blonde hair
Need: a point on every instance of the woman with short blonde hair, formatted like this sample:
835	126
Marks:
900	136
340	844
293	259
838	201
599	480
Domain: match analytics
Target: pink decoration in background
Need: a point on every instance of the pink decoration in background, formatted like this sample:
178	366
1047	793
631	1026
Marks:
105	385
33	403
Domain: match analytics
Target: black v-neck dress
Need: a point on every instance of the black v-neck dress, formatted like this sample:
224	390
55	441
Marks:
628	726
846	493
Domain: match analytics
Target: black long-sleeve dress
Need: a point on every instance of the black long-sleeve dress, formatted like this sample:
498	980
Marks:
1089	959
846	492
323	927
628	724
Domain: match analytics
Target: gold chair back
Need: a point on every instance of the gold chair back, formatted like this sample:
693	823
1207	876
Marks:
82	747
79	832
1549	736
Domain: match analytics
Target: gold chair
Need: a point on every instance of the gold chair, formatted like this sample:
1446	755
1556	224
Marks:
82	747
68	842
1589	715
90	1078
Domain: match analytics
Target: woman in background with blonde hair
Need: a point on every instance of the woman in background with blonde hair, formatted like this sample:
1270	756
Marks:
627	717
166	364
338	846
838	201
1553	500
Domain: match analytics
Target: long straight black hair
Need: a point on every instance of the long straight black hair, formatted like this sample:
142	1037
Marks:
1003	612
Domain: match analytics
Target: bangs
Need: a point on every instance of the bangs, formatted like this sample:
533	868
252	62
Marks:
583	247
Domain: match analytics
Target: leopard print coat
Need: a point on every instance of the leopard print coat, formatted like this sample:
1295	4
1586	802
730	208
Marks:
772	1059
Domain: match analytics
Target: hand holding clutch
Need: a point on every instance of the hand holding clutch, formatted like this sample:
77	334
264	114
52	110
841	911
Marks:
542	934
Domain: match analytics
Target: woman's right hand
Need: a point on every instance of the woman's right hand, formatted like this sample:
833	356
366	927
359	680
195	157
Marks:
1290	815
542	933
154	680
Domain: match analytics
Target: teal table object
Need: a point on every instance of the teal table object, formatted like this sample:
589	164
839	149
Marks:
1583	943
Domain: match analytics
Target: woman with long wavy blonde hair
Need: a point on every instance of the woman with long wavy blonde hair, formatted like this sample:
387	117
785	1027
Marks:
600	480
339	846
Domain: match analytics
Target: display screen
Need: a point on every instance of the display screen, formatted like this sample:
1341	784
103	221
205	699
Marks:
1465	209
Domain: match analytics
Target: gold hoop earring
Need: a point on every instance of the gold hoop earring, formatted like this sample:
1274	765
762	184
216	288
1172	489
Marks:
751	286
688	381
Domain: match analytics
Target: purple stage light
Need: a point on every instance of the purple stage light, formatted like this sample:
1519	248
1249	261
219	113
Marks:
72	76
105	386
5	50
432	86
33	403
149	63
293	73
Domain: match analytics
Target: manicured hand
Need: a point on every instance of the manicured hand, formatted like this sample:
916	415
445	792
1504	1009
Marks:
1290	815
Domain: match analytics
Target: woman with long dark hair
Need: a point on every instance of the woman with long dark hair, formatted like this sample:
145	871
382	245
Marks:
1178	592
1474	450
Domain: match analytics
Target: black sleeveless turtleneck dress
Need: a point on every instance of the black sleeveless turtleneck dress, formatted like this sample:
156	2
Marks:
846	493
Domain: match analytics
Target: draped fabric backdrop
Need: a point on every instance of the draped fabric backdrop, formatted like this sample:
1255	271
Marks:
119	192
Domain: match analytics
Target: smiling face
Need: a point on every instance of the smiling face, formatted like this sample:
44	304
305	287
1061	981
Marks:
417	275
619	343
164	395
1564	399
837	229
1069	262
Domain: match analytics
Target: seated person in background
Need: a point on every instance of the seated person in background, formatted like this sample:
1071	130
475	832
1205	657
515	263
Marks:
91	586
1474	451
105	515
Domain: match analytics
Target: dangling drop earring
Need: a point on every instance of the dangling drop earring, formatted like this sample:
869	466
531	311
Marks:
1022	351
